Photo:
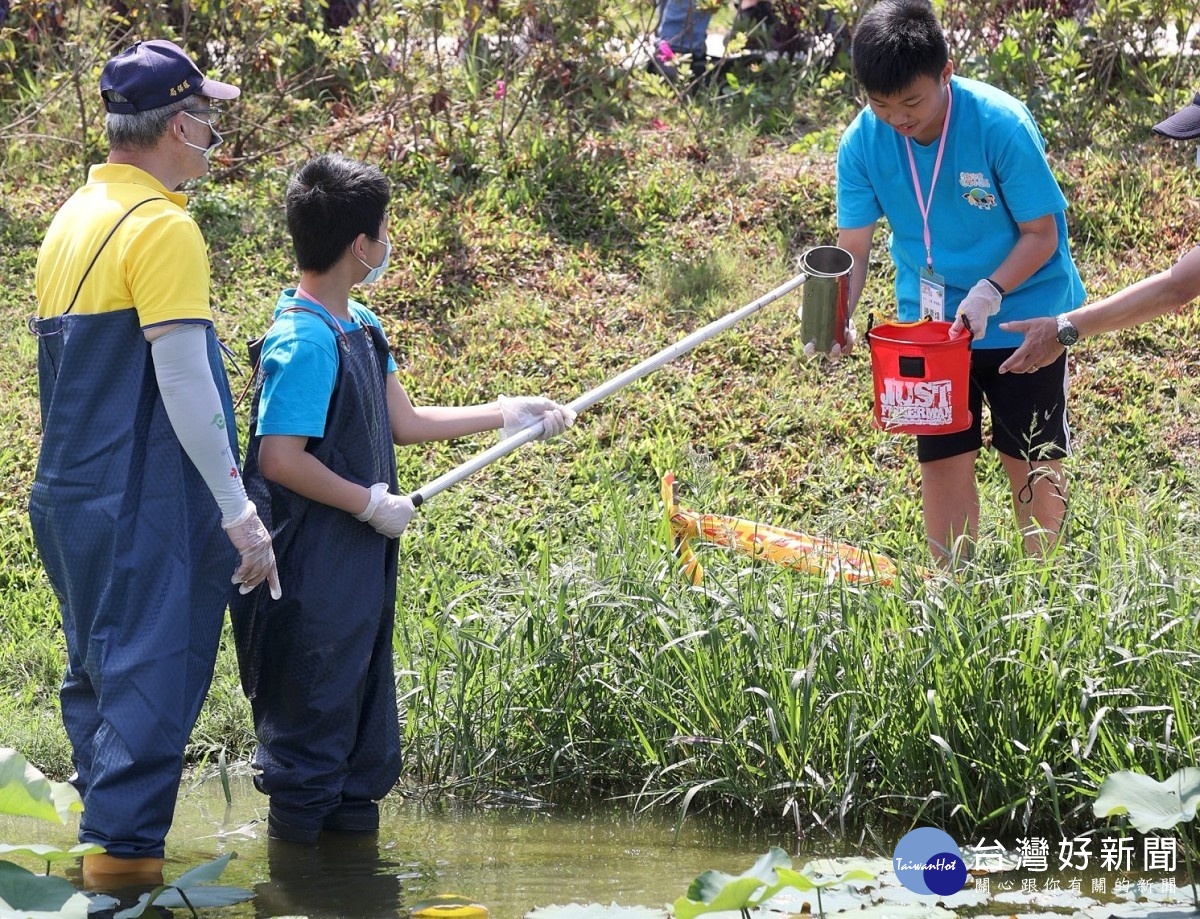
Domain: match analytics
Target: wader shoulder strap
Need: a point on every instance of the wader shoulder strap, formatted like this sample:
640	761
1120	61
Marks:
255	345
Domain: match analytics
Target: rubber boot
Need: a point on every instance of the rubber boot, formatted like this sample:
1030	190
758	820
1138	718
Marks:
354	817
107	872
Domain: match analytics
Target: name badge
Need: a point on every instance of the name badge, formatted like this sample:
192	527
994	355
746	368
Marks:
933	295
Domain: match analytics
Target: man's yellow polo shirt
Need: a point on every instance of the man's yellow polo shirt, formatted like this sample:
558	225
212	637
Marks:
156	262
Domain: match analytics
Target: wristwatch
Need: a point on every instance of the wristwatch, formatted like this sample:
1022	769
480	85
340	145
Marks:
1067	333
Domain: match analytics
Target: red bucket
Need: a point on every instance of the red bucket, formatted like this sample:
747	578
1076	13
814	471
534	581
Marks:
922	378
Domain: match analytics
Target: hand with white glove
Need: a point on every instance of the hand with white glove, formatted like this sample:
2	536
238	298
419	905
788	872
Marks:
837	351
252	540
981	301
851	337
389	514
523	412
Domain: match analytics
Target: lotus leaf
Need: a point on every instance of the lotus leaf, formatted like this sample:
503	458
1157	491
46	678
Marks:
1151	805
26	792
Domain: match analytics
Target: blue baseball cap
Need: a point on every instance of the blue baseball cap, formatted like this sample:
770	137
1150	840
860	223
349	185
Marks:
1184	124
151	74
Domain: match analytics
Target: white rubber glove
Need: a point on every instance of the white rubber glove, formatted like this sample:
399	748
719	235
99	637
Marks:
981	301
525	411
252	540
389	514
838	351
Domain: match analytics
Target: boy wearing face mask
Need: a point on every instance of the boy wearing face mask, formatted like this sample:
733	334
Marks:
328	412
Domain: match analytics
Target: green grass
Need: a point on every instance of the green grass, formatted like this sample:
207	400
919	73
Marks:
545	641
999	698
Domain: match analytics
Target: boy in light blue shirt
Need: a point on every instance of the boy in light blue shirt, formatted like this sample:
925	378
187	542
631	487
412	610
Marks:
329	412
958	169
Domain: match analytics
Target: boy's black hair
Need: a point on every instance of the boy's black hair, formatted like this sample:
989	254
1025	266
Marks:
329	202
896	42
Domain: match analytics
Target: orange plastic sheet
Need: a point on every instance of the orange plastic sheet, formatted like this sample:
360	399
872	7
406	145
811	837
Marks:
813	555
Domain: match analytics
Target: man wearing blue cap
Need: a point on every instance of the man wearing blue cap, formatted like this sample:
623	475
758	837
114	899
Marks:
138	508
1047	338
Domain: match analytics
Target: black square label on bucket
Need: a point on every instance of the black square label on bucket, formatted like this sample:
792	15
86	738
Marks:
912	367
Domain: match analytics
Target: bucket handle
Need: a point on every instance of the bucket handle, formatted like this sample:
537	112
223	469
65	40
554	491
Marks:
909	325
903	325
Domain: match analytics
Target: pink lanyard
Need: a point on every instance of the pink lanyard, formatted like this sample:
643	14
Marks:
937	166
336	324
303	294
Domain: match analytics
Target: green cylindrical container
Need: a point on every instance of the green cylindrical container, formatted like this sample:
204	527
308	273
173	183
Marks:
826	304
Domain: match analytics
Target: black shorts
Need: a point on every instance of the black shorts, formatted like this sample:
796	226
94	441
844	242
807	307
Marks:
1029	412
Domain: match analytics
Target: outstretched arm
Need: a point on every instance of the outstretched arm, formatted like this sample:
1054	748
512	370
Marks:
1135	304
415	424
419	424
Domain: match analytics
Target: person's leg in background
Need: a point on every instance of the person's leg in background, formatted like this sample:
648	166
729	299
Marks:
758	19
683	26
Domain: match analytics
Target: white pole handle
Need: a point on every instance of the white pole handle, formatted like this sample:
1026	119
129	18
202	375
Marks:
591	397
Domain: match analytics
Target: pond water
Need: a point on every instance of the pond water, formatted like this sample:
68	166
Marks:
518	859
511	859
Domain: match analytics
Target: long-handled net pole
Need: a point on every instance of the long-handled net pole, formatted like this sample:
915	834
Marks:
604	390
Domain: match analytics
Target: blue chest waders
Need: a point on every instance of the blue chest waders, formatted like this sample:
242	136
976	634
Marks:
317	664
131	539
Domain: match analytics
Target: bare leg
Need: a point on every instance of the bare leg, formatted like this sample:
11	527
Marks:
1040	499
951	505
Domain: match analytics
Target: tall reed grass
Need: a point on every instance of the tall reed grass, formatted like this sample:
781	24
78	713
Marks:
995	700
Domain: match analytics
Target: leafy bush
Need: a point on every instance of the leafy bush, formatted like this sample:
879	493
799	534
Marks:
444	87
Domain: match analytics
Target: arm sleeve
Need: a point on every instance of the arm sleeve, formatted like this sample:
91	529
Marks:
193	405
299	374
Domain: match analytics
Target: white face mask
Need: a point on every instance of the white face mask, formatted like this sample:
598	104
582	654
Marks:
212	144
374	273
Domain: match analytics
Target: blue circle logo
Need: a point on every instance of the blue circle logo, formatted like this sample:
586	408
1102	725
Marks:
927	861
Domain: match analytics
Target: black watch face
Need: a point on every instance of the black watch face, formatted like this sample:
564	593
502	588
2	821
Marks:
1067	334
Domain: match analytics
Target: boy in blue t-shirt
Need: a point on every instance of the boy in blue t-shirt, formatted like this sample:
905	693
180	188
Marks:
328	413
977	223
